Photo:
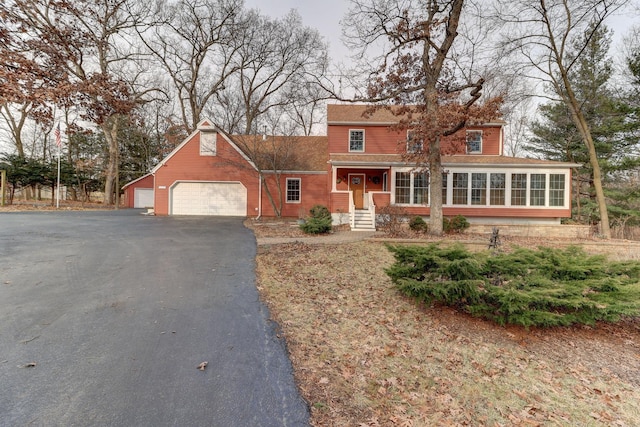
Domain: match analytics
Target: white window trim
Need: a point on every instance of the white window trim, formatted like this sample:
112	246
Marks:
481	141
363	140
286	195
527	171
207	151
412	174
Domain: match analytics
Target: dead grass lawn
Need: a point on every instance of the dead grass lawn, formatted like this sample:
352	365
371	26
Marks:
364	355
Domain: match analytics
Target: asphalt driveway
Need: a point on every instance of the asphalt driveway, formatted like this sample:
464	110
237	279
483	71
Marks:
116	310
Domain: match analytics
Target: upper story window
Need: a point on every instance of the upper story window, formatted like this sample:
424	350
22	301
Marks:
208	143
414	142
356	140
474	141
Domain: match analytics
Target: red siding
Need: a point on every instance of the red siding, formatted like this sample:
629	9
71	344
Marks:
313	191
492	212
381	140
188	165
339	203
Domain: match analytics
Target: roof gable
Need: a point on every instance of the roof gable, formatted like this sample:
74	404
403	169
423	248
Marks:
203	125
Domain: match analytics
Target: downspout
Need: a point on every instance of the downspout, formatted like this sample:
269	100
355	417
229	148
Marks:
259	197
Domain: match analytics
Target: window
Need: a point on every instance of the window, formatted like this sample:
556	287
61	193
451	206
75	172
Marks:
518	189
444	187
474	141
420	189
403	187
356	140
497	189
412	188
460	188
536	197
208	143
556	190
414	143
293	190
478	188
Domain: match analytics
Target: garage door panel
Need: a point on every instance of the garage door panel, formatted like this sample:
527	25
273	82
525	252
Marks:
143	197
209	198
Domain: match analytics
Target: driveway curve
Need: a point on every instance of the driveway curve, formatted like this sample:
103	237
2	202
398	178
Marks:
105	317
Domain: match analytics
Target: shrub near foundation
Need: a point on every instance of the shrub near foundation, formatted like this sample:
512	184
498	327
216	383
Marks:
319	222
544	287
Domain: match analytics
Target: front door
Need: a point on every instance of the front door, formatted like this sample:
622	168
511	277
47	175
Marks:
356	184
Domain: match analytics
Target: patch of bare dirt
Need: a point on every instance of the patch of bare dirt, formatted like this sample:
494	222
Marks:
365	355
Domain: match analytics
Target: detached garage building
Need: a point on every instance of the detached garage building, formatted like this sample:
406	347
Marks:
139	193
210	173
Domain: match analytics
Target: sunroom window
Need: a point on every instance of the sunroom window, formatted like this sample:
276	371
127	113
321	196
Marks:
460	188
412	188
556	189
536	196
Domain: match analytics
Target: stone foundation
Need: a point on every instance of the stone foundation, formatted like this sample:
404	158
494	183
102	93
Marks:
535	230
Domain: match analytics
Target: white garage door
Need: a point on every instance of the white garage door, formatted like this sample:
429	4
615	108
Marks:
209	198
143	197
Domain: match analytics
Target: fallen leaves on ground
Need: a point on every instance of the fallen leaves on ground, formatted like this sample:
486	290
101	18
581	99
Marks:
365	355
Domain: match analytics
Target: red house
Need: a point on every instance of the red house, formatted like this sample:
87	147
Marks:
356	169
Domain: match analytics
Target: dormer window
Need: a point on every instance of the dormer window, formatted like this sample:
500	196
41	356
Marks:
356	140
208	143
414	142
474	142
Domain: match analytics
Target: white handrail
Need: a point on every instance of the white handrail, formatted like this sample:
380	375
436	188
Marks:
352	210
372	208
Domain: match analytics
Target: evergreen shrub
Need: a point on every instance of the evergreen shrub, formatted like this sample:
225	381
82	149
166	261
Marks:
319	222
543	287
418	224
456	224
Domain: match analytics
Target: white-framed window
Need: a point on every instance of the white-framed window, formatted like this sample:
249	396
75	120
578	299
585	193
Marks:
208	143
460	188
445	185
537	189
293	190
478	188
556	189
514	188
415	144
497	189
412	188
356	140
474	141
518	189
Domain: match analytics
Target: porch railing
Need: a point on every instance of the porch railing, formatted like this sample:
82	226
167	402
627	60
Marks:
372	208
352	210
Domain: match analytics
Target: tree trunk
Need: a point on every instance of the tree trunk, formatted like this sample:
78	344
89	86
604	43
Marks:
276	209
585	133
435	187
110	130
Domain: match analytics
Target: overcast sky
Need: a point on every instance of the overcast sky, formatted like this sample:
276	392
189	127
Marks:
323	15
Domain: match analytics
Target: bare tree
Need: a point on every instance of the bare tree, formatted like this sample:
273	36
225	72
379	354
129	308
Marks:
79	55
543	34
433	83
194	43
276	61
